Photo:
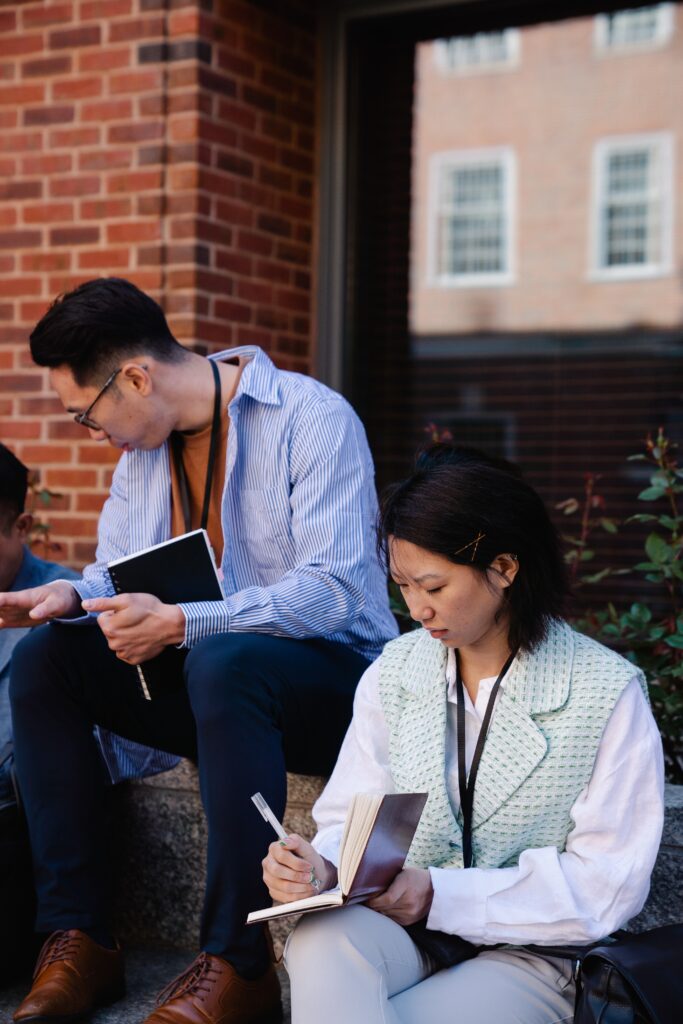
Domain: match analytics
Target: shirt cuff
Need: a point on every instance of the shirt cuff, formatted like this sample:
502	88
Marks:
202	619
459	903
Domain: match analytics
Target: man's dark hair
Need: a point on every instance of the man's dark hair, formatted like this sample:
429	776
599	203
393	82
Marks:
97	325
13	484
458	494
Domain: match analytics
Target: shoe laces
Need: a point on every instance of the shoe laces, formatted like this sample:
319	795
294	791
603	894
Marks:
198	980
60	946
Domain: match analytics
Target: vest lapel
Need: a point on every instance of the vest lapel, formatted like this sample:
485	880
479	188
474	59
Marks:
536	684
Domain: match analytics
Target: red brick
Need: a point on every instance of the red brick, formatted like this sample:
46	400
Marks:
133	231
11	336
8	217
6	363
95	10
235	262
103	209
107	110
31	312
150	206
138	181
17	45
20	142
84	35
46	14
48	213
20	286
65	429
77	88
40	407
106	60
100	454
19	239
70	477
71	526
135	81
85	553
232	311
48	115
67	138
46	66
74	236
107	260
22	381
21	189
8	21
135	29
48	163
77	186
184	23
37	261
89	502
19	429
17	94
105	159
142	131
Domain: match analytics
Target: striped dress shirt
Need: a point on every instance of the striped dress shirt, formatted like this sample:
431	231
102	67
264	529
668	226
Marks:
298	512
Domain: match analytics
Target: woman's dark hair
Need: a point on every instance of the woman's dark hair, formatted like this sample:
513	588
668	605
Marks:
469	507
99	324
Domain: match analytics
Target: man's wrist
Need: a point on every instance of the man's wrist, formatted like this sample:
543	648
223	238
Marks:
176	624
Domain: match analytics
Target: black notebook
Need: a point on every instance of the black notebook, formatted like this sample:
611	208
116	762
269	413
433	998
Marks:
179	570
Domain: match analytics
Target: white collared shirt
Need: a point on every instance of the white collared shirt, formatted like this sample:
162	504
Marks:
593	887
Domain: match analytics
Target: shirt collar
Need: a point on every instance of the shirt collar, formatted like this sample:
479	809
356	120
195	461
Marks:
258	378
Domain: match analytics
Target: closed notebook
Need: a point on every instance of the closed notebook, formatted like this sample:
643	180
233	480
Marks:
179	570
377	835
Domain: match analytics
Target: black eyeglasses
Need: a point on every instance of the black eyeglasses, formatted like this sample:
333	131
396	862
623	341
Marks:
83	418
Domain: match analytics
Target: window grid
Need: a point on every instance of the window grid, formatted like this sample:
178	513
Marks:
473	221
479	52
639	28
632	206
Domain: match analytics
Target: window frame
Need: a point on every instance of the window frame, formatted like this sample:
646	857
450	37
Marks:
663	34
603	148
464	158
512	61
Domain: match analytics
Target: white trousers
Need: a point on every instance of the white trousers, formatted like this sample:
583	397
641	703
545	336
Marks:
355	966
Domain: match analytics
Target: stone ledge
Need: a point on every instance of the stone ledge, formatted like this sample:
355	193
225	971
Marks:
162	845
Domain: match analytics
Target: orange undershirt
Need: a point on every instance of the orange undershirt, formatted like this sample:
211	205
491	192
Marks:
195	455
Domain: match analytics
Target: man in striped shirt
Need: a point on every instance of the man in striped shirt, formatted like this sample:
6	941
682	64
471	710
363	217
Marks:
277	468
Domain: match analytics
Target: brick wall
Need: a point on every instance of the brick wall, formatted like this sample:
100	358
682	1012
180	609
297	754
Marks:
168	142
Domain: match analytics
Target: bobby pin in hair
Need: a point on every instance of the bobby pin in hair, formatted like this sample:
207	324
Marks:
475	543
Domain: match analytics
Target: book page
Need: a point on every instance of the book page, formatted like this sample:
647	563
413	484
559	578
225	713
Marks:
358	826
331	898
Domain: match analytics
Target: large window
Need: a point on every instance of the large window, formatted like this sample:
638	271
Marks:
483	51
472	219
632	211
639	29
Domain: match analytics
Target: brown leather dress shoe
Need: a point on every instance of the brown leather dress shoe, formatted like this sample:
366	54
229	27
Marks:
211	991
73	975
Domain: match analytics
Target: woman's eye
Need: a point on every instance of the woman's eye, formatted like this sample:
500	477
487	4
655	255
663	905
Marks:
435	590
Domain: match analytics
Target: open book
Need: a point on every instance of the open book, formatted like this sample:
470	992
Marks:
377	836
182	569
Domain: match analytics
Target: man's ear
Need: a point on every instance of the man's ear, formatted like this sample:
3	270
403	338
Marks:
23	524
506	568
137	376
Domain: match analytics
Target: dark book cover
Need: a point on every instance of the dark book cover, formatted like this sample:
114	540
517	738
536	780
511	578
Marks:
178	570
388	844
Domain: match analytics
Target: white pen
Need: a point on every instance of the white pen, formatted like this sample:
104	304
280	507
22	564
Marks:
268	815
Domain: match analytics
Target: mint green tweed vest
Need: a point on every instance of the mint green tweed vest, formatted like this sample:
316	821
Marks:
539	752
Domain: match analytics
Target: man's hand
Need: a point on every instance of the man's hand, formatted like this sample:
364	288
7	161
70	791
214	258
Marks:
23	608
408	898
287	870
137	626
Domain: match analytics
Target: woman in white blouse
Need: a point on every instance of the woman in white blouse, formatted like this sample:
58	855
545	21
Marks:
537	748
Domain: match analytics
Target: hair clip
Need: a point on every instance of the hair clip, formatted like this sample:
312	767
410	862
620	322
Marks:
475	542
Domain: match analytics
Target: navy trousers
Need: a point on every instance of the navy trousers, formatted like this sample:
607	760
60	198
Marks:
251	707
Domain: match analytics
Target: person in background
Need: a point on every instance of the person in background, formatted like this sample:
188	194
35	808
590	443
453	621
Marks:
538	750
19	568
277	468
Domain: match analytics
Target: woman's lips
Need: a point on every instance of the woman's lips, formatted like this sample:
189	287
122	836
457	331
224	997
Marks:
438	633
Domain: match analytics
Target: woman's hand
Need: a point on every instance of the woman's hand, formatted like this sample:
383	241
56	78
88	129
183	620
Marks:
287	870
408	898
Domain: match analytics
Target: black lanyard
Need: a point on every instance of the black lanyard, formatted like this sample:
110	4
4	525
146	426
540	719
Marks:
177	450
465	784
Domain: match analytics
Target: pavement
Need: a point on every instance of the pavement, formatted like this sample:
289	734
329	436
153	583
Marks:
147	972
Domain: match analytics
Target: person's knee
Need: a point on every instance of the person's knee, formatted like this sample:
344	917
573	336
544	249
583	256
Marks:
29	660
222	672
320	939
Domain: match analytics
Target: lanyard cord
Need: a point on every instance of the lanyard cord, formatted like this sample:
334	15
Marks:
177	450
465	783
